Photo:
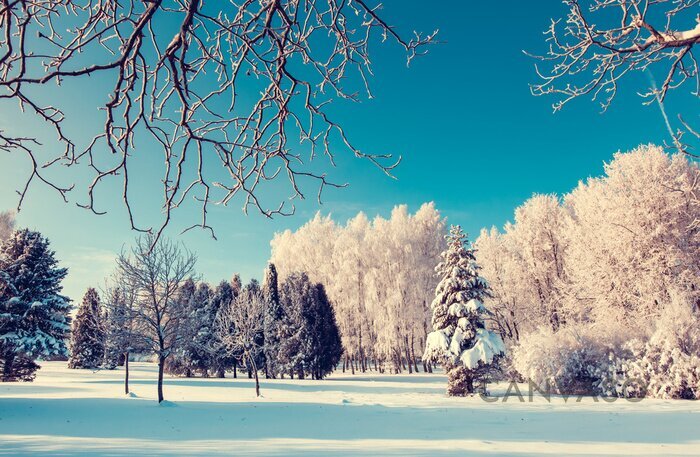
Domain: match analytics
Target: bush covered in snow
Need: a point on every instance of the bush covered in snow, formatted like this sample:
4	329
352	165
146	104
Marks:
570	361
665	366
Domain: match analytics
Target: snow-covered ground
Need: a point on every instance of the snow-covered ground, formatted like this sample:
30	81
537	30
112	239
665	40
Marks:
68	412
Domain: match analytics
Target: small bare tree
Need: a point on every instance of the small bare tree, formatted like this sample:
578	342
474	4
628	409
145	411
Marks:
238	327
601	43
177	70
120	323
155	271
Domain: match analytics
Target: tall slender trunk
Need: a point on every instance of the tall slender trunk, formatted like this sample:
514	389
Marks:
235	373
126	373
257	381
408	356
413	353
161	366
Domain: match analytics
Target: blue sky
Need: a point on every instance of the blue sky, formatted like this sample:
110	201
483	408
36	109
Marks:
473	140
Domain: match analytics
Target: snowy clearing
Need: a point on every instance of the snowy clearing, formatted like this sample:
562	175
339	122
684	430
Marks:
79	412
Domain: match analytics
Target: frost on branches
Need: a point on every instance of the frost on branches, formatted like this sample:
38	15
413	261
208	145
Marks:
460	340
34	321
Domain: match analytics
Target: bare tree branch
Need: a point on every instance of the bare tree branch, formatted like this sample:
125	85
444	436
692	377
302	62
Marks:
180	93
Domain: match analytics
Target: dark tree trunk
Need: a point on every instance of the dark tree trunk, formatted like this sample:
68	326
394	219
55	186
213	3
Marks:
161	366
413	353
408	356
126	373
221	373
257	384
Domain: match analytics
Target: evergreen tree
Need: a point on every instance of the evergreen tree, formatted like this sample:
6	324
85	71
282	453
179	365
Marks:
273	319
121	326
327	345
309	343
294	347
115	321
251	289
34	320
460	341
180	363
236	285
87	343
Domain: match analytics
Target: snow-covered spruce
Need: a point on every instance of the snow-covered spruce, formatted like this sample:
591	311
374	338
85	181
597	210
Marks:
87	344
459	339
34	320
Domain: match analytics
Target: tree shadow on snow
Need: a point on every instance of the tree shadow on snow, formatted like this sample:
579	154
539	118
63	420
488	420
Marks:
143	419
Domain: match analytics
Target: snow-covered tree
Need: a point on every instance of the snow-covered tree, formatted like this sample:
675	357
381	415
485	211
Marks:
632	240
183	360
122	329
87	344
459	339
34	319
525	267
295	295
238	326
378	275
219	360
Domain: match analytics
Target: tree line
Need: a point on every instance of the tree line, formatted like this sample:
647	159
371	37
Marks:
154	305
600	285
380	276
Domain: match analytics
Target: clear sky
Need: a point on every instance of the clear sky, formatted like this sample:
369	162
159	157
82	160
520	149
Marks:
473	140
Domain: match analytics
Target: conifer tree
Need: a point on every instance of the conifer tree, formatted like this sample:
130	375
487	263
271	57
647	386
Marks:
310	343
87	343
273	318
181	361
327	346
34	319
295	341
460	341
258	362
